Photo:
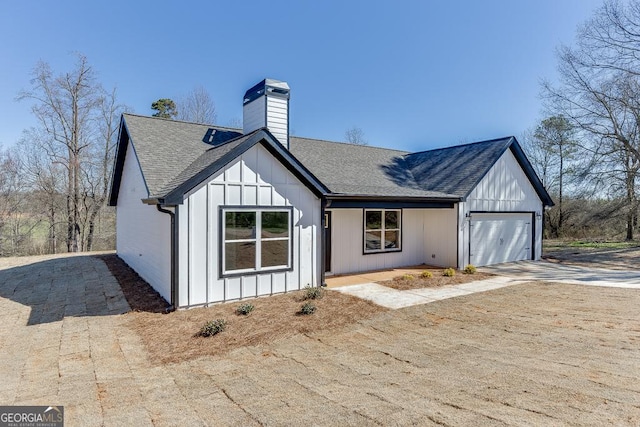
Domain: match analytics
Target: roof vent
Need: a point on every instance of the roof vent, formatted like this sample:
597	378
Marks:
267	105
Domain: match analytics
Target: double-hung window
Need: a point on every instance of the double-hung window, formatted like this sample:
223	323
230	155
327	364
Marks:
382	230
255	239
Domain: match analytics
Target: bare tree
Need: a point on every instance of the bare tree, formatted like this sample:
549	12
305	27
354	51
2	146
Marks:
99	165
11	188
599	93
76	131
197	106
44	180
355	135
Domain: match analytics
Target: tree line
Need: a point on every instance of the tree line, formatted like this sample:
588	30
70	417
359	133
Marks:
587	151
55	181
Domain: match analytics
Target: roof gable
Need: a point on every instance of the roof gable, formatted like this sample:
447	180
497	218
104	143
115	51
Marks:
460	168
176	156
216	158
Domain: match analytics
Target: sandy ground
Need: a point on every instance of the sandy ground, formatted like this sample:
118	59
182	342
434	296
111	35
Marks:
530	354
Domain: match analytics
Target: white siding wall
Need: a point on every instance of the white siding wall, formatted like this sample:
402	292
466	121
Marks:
505	188
270	112
426	238
277	118
255	178
143	235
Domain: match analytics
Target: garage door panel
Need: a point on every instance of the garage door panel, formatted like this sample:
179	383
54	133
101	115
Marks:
498	238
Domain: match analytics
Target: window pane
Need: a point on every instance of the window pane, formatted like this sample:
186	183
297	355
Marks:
391	219
373	240
275	252
240	255
373	220
391	240
275	224
240	225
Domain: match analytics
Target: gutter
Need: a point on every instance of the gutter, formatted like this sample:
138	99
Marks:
174	258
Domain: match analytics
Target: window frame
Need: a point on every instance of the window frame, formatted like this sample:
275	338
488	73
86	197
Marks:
257	269
382	230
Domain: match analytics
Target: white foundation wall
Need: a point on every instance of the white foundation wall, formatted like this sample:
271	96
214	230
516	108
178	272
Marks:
428	237
143	235
505	188
256	178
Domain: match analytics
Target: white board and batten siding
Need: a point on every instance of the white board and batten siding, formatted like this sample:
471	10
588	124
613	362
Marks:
499	217
426	239
253	179
143	234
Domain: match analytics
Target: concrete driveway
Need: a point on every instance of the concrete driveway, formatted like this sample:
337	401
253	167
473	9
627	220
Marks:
566	273
527	354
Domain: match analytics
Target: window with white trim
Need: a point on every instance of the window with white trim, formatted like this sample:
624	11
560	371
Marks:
382	230
255	239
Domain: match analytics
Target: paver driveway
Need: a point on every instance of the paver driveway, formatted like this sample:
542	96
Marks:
528	354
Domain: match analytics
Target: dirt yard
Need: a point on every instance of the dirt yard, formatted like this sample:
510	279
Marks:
529	354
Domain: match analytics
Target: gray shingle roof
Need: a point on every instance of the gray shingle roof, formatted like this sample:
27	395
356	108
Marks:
166	147
359	170
211	155
172	153
458	169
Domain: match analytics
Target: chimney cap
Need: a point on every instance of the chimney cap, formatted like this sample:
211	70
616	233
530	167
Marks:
270	87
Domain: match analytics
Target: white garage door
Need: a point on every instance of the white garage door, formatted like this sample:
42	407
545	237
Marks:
497	238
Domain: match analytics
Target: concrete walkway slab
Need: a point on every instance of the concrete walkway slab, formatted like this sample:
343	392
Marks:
570	274
394	299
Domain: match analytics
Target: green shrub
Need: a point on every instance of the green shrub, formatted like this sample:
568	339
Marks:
449	272
470	269
313	292
307	308
426	275
408	277
213	327
245	308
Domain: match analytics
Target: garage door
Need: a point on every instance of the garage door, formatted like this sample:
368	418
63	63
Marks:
497	238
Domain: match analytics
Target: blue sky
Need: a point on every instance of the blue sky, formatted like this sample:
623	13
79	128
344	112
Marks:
413	75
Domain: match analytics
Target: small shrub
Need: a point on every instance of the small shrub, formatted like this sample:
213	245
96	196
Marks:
313	292
426	275
470	269
407	277
449	272
245	308
307	308
213	327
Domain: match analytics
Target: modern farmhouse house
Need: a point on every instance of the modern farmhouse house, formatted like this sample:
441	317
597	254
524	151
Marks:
208	214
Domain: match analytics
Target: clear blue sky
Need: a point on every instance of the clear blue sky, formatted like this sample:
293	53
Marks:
412	74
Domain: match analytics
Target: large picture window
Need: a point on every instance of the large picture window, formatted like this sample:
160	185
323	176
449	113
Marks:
382	230
255	239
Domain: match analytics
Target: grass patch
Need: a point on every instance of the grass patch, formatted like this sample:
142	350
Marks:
604	245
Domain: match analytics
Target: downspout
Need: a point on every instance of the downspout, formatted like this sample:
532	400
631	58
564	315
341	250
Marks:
323	240
174	282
